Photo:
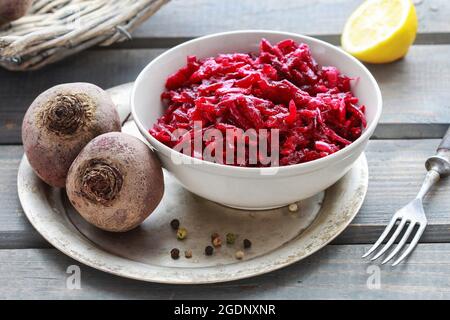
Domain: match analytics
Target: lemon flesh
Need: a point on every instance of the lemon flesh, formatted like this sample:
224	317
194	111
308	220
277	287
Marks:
380	31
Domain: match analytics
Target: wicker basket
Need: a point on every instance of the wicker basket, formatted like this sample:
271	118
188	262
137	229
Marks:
55	29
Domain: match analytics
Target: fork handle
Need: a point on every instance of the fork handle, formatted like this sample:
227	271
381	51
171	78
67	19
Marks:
441	162
445	143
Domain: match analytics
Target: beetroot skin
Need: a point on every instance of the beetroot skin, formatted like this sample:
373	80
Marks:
11	10
60	122
116	182
282	88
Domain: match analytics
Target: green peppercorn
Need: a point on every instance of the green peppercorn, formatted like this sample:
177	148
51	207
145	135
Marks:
247	243
231	238
181	233
175	253
209	250
175	224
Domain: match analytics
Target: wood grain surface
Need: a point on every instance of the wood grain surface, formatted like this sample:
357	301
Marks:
182	19
416	98
416	114
336	272
396	169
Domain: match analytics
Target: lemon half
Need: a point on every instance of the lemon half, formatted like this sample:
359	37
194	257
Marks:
380	31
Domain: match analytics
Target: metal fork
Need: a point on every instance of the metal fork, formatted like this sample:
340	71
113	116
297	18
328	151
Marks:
412	216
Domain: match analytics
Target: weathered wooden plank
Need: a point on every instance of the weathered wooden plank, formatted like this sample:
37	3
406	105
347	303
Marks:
396	171
434	38
416	97
104	68
184	19
16	231
335	272
411	87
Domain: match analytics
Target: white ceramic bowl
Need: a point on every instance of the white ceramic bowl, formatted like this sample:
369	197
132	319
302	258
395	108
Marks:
252	188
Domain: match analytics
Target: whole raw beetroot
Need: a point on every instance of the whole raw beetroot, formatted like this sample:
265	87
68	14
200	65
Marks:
116	182
60	122
11	10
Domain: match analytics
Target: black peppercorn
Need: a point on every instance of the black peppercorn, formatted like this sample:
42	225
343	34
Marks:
175	224
247	243
209	250
175	253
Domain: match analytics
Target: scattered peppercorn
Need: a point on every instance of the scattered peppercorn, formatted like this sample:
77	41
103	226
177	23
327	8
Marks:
181	233
231	238
239	255
175	253
217	242
175	224
293	207
214	236
247	243
209	250
188	254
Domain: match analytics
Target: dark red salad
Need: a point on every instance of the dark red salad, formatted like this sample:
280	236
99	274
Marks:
281	88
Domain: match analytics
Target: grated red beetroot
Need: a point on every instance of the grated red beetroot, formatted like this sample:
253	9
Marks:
281	88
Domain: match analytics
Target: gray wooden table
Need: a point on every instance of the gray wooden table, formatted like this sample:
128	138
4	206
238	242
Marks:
416	93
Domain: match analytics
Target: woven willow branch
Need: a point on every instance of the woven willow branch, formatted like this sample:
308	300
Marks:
55	29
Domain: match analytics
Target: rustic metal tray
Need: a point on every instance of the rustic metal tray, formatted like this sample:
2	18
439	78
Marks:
279	237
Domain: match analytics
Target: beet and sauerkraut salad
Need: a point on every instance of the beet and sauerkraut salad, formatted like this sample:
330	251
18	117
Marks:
282	88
